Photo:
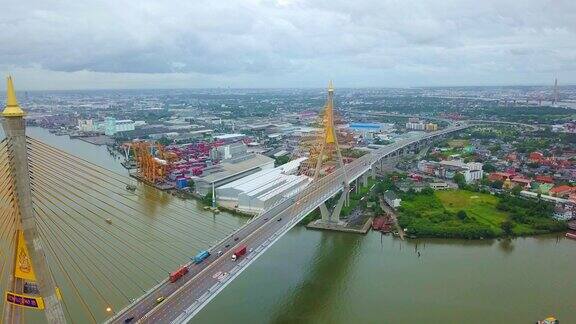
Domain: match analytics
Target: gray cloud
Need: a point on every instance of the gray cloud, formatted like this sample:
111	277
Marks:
293	42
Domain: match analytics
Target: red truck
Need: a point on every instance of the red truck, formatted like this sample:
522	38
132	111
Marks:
240	251
175	275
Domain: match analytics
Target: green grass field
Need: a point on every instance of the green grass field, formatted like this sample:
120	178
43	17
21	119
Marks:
435	215
481	207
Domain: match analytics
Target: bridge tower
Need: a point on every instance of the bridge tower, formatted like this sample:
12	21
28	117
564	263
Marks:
555	93
30	268
328	151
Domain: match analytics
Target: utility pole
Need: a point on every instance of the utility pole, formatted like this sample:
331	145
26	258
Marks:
213	196
15	128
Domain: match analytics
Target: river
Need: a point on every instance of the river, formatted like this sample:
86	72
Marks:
326	277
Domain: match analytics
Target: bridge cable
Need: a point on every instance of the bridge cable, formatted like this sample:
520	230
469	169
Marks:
79	161
78	188
82	238
75	168
116	237
67	276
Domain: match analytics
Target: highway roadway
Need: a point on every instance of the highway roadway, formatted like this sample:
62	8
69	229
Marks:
187	296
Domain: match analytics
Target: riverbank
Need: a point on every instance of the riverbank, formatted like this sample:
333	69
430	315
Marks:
474	215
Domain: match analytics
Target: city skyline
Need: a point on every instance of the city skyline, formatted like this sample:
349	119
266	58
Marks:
287	44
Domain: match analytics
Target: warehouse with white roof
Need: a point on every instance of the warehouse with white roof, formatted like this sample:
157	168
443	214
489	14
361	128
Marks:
260	190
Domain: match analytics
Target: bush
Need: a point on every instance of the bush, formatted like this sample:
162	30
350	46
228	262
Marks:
207	200
427	191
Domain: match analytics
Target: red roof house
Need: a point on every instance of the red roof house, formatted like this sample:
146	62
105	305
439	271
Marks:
520	181
536	156
499	176
544	179
562	191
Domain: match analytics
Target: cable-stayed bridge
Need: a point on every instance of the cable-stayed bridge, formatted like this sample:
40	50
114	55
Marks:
200	286
72	242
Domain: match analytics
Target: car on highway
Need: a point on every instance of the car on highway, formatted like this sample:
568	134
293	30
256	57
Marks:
129	319
265	218
279	219
160	299
219	253
236	239
227	245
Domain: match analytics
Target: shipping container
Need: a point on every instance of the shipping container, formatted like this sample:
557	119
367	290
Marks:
240	251
175	275
181	183
200	257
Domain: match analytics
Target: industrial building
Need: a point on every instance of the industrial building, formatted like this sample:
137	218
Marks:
113	126
230	170
226	152
230	138
260	190
368	130
109	127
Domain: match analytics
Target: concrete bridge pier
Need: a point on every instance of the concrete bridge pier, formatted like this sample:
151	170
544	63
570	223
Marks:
334	216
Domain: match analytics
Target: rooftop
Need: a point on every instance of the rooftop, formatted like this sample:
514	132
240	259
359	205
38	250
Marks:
233	168
228	136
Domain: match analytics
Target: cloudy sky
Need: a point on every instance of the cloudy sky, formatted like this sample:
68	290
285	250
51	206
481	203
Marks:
51	44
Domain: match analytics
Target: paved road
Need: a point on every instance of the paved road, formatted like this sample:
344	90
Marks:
188	295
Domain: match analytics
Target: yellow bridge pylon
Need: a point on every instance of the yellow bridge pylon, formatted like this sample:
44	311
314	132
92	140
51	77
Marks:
29	283
325	156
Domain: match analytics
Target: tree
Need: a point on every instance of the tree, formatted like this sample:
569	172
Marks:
207	200
506	227
281	160
488	167
376	208
516	190
164	141
461	215
497	184
460	180
427	191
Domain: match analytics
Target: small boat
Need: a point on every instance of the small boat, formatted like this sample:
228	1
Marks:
549	320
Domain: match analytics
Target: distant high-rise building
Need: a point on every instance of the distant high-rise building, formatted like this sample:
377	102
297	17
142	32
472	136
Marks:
431	127
416	126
